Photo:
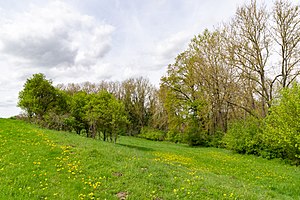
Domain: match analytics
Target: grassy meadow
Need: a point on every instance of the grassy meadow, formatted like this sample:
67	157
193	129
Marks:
37	163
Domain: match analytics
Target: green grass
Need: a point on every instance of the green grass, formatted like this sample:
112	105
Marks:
42	164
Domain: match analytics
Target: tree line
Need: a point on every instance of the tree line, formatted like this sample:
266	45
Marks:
102	110
235	87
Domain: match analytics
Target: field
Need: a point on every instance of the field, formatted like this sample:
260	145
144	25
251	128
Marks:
37	163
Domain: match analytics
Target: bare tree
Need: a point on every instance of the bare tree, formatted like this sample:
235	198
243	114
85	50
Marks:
251	43
286	32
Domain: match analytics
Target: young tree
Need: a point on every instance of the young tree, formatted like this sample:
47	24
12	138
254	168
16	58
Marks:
55	117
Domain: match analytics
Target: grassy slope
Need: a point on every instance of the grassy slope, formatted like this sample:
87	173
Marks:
42	164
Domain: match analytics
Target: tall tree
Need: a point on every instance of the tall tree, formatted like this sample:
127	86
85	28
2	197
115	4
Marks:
286	32
185	102
216	75
251	43
137	95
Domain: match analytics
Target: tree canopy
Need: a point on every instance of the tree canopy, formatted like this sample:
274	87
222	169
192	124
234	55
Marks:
38	96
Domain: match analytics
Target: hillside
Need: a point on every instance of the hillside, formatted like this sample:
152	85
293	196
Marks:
42	164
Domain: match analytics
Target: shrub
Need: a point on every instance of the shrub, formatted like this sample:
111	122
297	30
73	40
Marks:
282	132
196	137
55	121
174	136
215	140
152	134
196	133
244	136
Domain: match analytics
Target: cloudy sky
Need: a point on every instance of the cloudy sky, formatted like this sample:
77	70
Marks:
93	40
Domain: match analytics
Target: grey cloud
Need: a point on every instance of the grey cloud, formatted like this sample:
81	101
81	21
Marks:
41	51
55	36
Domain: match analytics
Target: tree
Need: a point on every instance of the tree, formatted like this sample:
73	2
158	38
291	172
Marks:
77	112
286	32
217	77
118	118
55	117
38	96
105	114
250	44
158	114
185	101
137	96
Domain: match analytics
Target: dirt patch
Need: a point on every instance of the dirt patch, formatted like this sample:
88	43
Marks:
122	195
117	174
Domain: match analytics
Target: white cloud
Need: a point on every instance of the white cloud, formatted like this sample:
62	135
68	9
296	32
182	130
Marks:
54	39
172	44
152	60
81	73
9	93
170	47
55	36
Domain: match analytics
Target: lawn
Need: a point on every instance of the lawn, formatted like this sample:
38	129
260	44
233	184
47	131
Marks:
37	163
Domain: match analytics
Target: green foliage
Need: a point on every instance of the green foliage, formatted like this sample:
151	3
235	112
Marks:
56	121
174	136
185	103
77	112
282	132
196	133
38	96
216	139
137	96
245	136
97	113
43	164
105	115
276	136
55	118
152	134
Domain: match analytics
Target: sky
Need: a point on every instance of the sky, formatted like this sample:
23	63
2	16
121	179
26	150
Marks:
74	41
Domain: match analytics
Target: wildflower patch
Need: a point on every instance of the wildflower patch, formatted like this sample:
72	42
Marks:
172	159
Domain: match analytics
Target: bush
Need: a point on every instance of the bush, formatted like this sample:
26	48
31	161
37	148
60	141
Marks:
282	132
192	132
196	137
152	134
55	121
244	136
174	136
215	140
